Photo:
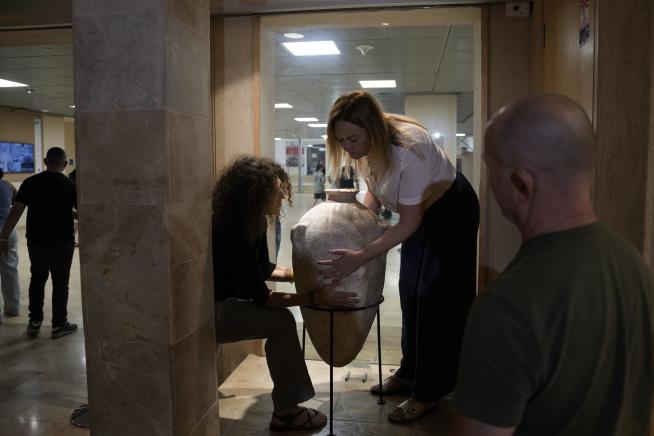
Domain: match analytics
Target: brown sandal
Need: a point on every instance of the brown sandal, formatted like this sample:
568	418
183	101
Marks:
410	410
393	385
289	423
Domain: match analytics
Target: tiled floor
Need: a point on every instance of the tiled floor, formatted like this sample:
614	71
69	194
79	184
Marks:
245	404
42	381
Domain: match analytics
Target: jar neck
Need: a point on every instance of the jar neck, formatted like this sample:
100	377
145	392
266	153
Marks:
342	195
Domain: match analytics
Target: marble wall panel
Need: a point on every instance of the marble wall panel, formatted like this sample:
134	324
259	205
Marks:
191	158
238	87
218	90
121	7
130	382
124	158
192	295
189	12
187	83
194	377
125	71
210	424
190	230
622	118
123	235
137	297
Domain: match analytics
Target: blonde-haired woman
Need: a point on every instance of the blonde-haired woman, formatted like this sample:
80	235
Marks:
408	173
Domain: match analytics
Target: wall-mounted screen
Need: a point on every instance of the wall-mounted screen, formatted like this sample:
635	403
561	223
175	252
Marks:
16	157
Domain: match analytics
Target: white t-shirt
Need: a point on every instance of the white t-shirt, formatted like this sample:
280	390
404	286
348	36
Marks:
414	179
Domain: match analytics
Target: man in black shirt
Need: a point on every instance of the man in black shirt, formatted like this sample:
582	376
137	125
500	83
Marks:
50	198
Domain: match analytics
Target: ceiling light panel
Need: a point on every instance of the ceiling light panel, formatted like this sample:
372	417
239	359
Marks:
323	125
378	83
283	106
306	119
312	48
9	84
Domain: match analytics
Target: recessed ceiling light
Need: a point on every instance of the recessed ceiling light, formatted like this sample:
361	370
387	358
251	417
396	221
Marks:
460	134
437	135
306	119
282	106
385	24
293	35
318	125
9	84
323	136
377	83
278	139
312	48
72	106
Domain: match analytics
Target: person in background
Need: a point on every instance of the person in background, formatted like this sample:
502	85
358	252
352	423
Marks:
346	178
9	282
50	198
408	173
319	184
561	342
248	191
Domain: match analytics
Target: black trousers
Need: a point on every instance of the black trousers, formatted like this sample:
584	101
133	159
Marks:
437	286
54	259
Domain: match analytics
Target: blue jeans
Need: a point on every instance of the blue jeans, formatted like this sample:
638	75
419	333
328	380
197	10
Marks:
9	283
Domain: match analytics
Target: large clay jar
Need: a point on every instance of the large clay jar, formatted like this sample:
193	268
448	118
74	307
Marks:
340	222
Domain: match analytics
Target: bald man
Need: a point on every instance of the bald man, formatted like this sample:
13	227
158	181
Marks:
561	343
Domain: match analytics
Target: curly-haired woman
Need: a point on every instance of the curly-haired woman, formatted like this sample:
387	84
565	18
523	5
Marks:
249	190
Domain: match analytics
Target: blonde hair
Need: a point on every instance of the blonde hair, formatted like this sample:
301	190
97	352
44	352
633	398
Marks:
362	109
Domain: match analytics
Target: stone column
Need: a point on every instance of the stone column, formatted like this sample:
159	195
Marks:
144	173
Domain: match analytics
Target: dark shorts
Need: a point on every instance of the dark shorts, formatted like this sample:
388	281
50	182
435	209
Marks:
319	196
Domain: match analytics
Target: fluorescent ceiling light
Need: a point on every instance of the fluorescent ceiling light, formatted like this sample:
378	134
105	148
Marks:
45	110
385	24
282	106
72	106
312	48
318	125
460	134
293	35
278	139
323	136
377	83
9	84
437	135
306	119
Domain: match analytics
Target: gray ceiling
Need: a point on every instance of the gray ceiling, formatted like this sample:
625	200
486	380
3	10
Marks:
421	59
47	69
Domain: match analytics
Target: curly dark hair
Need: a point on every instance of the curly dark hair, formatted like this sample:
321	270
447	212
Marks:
243	192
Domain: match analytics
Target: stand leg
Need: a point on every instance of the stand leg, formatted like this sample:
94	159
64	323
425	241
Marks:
379	358
304	339
331	373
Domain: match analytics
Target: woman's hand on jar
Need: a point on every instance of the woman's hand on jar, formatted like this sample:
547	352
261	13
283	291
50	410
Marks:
329	297
346	262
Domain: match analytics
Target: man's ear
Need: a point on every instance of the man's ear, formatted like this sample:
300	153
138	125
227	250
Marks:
524	183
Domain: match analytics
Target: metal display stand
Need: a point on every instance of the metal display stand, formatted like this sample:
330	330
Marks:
331	352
